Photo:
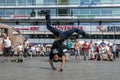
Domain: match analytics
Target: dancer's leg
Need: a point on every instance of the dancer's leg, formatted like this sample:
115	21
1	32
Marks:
48	23
62	34
67	33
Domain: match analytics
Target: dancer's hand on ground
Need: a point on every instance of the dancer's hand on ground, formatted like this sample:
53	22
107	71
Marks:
60	70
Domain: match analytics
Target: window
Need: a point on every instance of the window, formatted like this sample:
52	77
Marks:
52	1
21	2
116	11
108	36
85	2
74	2
95	1
62	2
106	12
94	37
30	2
117	36
10	2
117	1
20	12
2	13
31	36
40	2
63	12
42	36
75	12
26	35
2	2
95	12
84	12
100	36
106	1
28	11
10	12
53	12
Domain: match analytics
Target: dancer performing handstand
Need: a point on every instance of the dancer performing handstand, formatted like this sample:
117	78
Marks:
57	49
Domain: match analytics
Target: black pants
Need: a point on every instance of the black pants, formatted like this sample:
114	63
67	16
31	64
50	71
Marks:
25	52
62	34
7	51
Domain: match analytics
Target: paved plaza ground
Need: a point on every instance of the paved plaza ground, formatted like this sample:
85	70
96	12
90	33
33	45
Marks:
37	68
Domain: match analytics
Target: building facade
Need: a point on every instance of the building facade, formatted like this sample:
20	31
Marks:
25	15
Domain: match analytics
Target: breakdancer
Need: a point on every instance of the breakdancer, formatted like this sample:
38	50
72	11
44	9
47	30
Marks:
57	48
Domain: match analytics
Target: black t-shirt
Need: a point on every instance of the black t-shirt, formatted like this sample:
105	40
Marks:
57	48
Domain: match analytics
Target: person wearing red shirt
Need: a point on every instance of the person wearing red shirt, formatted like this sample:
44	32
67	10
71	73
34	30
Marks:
84	49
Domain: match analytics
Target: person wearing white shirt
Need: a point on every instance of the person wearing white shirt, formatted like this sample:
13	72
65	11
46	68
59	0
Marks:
7	43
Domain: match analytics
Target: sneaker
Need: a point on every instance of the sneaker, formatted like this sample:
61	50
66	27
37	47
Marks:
47	12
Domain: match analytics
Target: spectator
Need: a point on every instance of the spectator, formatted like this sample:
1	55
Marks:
7	42
109	52
48	49
37	48
84	49
33	50
69	44
26	48
42	51
90	49
77	50
99	52
103	43
95	48
114	50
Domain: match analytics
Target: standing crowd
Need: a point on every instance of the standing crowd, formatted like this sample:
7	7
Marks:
9	51
93	51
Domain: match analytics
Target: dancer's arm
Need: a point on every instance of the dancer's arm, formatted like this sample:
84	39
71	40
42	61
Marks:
51	61
51	64
63	63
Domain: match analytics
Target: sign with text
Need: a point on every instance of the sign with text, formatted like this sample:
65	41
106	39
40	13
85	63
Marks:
63	28
27	28
19	16
113	28
85	27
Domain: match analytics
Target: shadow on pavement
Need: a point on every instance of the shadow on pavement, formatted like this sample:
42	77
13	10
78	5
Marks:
46	68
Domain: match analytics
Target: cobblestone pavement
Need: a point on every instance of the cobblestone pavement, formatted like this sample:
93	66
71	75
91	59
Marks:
38	68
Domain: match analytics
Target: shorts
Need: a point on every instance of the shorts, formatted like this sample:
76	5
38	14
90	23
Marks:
77	52
7	51
20	52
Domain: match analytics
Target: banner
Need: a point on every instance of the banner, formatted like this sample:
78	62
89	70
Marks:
85	27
